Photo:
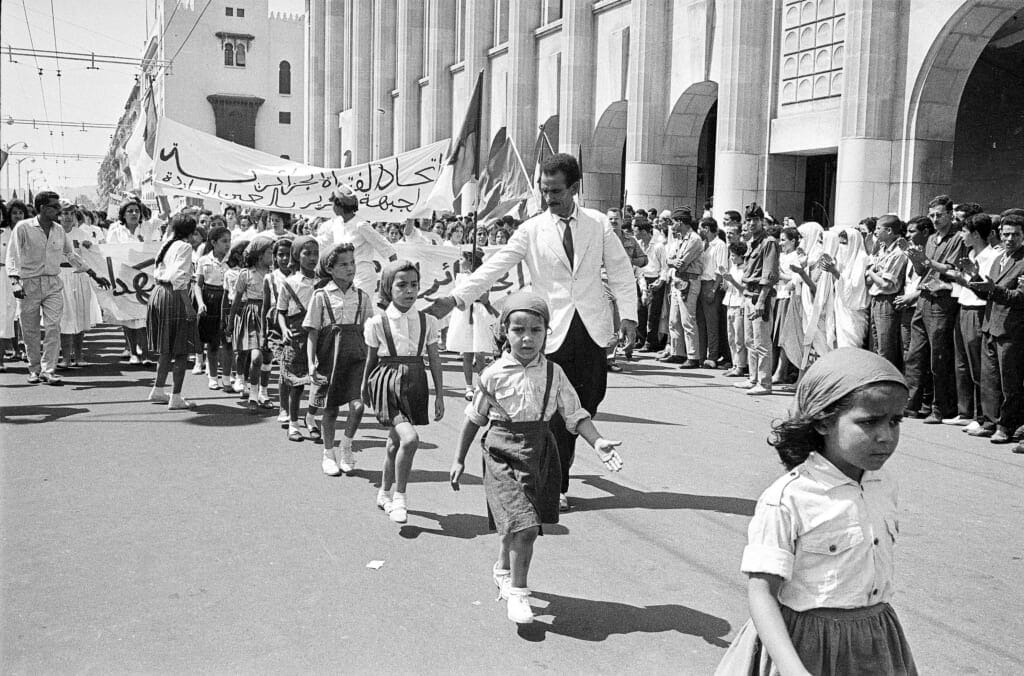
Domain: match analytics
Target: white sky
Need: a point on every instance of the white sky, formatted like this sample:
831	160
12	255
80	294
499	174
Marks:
115	27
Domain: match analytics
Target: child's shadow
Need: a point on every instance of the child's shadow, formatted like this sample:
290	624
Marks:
462	526
589	620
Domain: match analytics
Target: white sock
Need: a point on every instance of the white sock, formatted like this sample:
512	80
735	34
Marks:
398	497
346	443
382	494
157	390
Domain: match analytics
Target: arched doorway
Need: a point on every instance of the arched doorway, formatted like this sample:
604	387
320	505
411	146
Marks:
927	166
604	161
689	148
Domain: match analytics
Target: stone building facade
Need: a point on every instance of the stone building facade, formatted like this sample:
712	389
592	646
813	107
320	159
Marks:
820	109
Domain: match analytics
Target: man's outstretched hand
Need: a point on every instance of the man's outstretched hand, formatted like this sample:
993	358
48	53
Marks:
441	307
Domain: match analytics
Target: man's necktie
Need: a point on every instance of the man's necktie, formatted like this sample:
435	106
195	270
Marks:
567	240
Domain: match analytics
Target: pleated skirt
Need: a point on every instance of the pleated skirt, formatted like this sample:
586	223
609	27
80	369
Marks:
830	642
398	391
211	324
170	331
79	301
249	332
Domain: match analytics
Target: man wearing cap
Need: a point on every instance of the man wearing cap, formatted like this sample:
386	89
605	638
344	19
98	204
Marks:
685	265
344	228
38	247
760	274
565	248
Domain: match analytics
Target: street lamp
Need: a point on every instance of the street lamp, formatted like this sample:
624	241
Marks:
19	161
7	148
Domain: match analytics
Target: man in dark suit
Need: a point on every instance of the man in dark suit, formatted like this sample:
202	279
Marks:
1002	353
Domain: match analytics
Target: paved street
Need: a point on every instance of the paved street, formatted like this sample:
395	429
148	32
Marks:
137	539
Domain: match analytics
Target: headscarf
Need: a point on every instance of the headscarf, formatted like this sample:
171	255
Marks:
852	261
297	245
525	301
839	373
388	274
811	237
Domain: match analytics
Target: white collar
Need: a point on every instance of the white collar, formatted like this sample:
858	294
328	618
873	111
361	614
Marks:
394	313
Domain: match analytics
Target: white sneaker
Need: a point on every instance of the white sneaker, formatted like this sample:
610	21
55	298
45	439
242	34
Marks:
282	417
225	383
959	421
519	610
502	580
758	390
179	402
198	369
384	502
237	386
973	427
159	396
348	463
744	385
399	512
563	503
213	384
330	466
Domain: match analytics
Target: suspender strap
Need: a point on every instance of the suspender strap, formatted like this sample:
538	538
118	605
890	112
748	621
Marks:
423	333
327	306
294	296
359	307
388	338
547	389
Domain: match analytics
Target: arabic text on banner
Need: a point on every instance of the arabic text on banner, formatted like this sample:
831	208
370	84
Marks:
195	163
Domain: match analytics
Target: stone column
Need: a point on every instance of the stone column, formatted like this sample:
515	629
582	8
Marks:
524	18
477	38
384	13
362	81
408	71
869	154
437	96
315	34
576	104
332	66
743	96
648	179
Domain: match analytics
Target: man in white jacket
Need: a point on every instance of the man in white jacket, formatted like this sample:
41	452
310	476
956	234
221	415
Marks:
565	249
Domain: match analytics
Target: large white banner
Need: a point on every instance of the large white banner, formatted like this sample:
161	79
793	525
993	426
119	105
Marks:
129	268
392	189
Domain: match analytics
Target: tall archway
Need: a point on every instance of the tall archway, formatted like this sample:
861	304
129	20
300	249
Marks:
604	160
930	132
689	144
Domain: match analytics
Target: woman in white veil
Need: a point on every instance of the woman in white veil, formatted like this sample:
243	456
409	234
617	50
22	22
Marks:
820	327
851	290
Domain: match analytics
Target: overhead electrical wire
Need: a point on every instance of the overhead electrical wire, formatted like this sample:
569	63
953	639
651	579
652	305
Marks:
39	71
60	86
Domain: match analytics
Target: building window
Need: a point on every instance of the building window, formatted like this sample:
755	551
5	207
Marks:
460	30
229	11
240	55
284	118
814	35
552	11
284	78
229	54
240	12
500	22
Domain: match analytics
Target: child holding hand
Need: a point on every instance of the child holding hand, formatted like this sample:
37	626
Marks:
821	544
518	395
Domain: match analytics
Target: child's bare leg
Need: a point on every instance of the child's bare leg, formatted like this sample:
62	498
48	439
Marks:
355	416
387	478
294	403
520	553
468	364
328	423
408	442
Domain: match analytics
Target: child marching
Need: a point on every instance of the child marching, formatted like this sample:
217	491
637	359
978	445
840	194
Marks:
292	302
518	395
821	544
211	301
248	313
336	352
395	381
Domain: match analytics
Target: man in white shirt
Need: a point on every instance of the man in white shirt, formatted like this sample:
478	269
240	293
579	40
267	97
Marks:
651	278
565	248
345	228
712	292
415	235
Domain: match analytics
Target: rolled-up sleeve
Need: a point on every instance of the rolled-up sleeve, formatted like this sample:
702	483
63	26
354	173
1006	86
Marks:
13	261
381	245
476	410
770	543
568	402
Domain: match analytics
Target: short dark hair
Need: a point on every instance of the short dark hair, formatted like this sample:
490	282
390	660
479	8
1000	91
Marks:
1009	212
870	222
753	212
980	224
44	197
923	223
944	201
791	233
738	248
1013	220
893	222
125	206
709	223
230	207
182	226
564	163
968	209
733	216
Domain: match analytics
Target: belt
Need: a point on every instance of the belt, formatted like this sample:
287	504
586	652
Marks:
941	293
690	275
166	285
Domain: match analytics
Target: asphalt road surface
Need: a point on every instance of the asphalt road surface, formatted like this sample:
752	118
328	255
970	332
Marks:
134	539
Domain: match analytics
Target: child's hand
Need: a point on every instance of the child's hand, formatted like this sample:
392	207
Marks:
287	335
456	473
438	408
609	456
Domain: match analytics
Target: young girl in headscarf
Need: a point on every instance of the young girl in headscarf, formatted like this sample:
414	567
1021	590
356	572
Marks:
395	381
518	395
820	327
820	552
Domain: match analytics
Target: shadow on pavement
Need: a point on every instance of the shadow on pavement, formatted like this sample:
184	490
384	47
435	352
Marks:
621	497
462	526
30	415
221	415
603	417
589	620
